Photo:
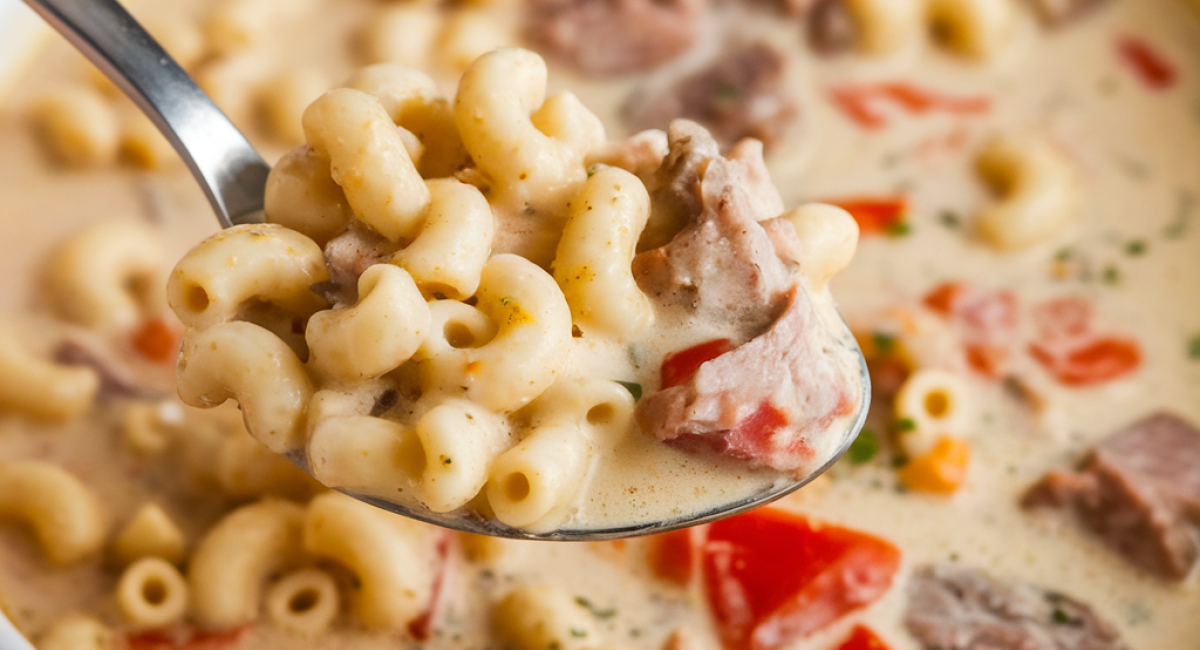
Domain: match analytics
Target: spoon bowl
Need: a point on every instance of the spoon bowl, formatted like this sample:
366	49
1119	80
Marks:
233	176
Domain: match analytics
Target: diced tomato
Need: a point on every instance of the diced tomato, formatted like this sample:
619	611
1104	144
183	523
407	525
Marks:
945	298
185	639
156	340
1063	318
421	627
678	367
674	556
987	321
774	577
1151	67
1099	360
862	638
862	103
875	215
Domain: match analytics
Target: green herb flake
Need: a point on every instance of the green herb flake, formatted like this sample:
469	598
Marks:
1194	348
898	229
727	91
905	424
596	611
864	448
1183	215
446	460
1061	617
950	219
594	169
1064	254
633	387
506	301
899	460
578	633
554	645
1112	275
885	344
1136	248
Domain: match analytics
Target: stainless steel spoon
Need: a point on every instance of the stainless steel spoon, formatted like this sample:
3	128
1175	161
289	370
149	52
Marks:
234	177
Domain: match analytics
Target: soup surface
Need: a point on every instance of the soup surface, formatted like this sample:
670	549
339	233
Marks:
1037	346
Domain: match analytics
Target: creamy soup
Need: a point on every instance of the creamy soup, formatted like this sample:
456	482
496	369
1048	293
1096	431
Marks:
1002	348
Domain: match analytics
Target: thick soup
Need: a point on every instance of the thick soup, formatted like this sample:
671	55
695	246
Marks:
1024	179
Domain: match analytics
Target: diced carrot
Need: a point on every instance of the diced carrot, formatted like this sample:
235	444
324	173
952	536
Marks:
156	340
862	638
1151	67
945	298
942	470
875	215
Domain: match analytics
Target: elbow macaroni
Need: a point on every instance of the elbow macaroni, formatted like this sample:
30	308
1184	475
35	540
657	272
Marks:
536	617
151	593
149	533
63	513
227	572
303	602
40	388
595	254
1037	188
933	403
974	28
383	550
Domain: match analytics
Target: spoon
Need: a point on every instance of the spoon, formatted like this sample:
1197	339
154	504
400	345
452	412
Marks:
233	177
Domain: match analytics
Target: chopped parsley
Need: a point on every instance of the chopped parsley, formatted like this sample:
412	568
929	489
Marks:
864	448
898	229
1112	275
634	389
885	344
1183	214
727	91
596	611
1061	617
578	633
1064	254
950	219
905	424
594	169
1194	348
1135	248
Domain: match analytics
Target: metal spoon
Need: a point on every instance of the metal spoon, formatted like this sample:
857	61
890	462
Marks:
233	177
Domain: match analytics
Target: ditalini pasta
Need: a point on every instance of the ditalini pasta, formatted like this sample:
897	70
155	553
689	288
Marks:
458	307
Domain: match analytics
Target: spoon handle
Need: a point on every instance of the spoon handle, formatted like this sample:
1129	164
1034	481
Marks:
227	167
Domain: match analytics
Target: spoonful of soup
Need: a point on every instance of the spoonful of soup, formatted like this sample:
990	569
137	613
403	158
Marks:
481	313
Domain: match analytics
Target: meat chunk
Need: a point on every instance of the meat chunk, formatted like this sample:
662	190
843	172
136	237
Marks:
723	264
1139	490
831	28
1055	13
953	608
741	95
602	37
784	377
348	256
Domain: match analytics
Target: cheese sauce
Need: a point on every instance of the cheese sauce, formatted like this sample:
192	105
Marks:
1131	254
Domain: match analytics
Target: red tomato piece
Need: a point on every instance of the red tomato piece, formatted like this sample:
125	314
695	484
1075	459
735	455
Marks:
1151	67
920	100
674	556
156	340
421	627
859	106
678	367
875	215
862	638
1100	360
1063	318
945	298
774	577
185	639
987	321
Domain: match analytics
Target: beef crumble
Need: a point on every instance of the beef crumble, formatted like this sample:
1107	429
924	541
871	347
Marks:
1139	490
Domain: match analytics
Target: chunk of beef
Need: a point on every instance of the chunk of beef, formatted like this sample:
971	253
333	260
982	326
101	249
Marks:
1139	490
723	264
741	95
348	256
786	377
1055	13
953	608
831	29
603	37
117	378
764	401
